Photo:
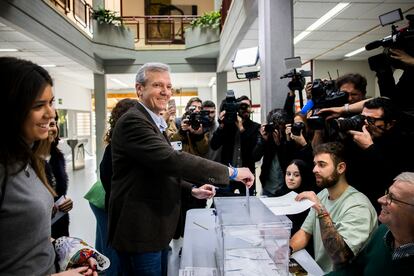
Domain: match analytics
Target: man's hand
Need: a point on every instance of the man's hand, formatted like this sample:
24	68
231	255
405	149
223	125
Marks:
362	138
264	134
221	118
334	112
77	272
244	175
66	206
239	123
402	56
199	131
206	191
312	197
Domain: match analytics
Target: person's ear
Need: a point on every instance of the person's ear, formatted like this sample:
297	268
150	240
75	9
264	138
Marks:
138	88
341	167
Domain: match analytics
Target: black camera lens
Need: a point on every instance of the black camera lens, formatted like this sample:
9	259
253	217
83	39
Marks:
297	128
353	123
269	128
243	106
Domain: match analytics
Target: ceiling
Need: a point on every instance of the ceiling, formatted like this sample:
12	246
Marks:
350	30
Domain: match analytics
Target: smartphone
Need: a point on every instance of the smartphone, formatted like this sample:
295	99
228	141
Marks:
171	103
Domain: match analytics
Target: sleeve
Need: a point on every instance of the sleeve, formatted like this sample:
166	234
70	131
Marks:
357	223
309	223
139	139
105	169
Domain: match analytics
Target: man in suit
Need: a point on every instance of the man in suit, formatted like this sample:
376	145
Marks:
148	176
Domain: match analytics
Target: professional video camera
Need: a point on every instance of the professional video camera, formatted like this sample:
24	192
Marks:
297	81
324	94
232	108
402	38
196	119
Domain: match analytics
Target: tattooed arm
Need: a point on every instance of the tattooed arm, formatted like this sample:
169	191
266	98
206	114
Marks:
334	244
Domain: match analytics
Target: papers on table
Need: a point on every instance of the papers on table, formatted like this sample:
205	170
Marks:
58	214
248	261
286	205
198	271
305	260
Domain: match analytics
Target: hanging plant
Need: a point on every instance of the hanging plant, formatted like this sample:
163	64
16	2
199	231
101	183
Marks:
103	16
207	20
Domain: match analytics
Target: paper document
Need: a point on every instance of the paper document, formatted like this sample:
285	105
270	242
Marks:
286	205
307	262
248	200
58	214
198	271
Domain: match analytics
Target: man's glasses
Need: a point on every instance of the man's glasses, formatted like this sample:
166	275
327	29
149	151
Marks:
389	199
372	121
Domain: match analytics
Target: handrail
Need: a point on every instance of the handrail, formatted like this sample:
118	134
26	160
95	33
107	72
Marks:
159	29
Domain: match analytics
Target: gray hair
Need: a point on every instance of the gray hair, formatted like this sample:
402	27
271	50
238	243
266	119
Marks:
150	67
406	177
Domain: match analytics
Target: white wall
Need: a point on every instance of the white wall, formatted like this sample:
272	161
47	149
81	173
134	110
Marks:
321	68
73	97
205	93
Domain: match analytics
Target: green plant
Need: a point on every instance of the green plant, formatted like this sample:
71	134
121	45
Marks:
207	20
104	16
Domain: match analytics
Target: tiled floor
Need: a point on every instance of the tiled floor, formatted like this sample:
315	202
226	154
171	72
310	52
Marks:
82	220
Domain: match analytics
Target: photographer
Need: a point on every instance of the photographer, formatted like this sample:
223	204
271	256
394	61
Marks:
354	85
210	107
236	135
193	138
379	151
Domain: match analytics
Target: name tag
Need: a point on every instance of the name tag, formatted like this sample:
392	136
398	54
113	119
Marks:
178	145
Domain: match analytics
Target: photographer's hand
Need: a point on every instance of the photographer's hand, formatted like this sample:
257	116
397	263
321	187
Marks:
264	134
299	139
334	112
221	118
199	131
184	125
402	56
288	131
362	138
239	123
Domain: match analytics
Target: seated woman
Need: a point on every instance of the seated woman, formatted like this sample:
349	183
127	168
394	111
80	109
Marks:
299	178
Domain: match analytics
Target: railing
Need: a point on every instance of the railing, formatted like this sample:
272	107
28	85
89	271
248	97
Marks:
78	10
159	29
152	29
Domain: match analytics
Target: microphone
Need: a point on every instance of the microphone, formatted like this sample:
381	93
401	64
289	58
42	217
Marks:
373	45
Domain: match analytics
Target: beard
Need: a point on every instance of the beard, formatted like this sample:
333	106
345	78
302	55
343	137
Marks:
327	182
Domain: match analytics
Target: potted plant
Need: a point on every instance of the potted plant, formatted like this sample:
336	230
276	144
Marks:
109	29
203	30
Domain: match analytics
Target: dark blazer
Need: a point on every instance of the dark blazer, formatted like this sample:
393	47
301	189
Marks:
148	175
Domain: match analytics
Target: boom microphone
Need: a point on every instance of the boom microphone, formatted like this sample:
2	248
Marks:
373	45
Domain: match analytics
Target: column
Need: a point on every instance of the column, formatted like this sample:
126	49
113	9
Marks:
100	115
275	44
221	84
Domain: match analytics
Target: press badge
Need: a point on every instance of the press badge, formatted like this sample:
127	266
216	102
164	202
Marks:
178	145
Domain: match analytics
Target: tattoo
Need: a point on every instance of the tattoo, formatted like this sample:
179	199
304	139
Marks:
333	242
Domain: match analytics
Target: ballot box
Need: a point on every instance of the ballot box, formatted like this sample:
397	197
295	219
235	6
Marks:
250	239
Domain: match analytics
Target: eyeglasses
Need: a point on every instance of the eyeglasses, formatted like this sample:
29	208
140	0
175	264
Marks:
372	121
389	199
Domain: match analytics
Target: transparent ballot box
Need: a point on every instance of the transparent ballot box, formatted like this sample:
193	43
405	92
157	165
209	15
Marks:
251	240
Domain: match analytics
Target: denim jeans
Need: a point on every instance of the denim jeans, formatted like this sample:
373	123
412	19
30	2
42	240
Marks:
144	264
101	241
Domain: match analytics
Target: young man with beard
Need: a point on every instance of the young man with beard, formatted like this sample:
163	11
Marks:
342	219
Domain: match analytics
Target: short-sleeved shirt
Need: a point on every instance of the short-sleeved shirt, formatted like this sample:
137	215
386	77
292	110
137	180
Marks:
354	218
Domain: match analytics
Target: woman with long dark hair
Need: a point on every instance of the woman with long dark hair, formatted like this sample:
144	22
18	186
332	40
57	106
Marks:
26	198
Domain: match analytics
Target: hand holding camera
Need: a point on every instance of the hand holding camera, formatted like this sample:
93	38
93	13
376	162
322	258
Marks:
295	132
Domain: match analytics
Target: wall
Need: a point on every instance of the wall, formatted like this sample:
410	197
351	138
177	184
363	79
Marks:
321	68
73	97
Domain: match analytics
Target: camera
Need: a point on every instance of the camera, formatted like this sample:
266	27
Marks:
269	128
297	81
324	94
297	128
402	38
344	124
196	119
231	106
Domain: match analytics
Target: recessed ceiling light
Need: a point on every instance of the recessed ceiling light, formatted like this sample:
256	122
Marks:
353	53
48	65
318	23
9	50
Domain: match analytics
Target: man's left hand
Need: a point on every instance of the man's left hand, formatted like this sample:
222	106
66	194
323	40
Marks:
206	191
